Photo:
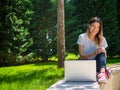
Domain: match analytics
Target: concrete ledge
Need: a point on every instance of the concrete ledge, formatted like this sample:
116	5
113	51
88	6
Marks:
112	84
63	85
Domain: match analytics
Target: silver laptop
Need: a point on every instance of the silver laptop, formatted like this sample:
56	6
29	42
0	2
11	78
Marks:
80	70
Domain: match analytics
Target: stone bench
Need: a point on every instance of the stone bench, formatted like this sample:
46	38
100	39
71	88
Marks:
112	84
62	85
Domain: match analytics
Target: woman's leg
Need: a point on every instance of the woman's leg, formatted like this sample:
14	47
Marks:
101	66
101	62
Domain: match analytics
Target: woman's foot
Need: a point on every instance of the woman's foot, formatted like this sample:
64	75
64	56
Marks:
102	77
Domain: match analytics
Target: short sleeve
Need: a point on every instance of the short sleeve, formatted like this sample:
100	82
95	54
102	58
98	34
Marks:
80	40
104	43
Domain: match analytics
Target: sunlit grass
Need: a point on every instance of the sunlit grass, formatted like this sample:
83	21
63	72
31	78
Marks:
29	77
69	56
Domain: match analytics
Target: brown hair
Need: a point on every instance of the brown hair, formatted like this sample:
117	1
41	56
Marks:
99	35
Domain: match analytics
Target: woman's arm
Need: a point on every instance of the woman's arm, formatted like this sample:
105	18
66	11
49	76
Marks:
86	56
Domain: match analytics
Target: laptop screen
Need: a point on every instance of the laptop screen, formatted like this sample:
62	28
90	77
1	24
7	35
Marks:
80	70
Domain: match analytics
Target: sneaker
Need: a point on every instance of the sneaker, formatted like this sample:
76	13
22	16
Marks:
109	73
101	77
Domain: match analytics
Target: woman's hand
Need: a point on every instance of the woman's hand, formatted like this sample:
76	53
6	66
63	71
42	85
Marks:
99	50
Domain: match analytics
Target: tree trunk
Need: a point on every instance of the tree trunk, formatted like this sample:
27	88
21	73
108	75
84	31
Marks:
60	33
44	59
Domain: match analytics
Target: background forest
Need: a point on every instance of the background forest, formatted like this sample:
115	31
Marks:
28	28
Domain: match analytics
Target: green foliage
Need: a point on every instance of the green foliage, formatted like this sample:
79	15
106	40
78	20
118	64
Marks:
22	20
78	13
14	34
43	29
118	10
15	26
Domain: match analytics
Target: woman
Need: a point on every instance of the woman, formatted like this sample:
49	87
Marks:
92	45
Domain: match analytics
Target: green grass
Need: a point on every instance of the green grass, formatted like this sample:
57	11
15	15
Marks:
34	76
113	61
69	56
29	77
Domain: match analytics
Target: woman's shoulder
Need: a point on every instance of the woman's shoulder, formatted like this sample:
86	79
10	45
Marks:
83	34
103	38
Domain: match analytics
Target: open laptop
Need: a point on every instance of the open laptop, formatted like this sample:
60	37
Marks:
80	70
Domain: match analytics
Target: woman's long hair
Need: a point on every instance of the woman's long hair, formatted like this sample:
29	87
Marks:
99	35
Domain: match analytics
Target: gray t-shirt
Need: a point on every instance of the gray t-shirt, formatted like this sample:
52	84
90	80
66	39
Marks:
90	46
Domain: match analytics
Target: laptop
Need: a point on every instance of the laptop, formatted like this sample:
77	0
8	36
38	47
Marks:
80	70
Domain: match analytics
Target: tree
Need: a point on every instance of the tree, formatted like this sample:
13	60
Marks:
118	16
43	29
61	33
118	10
82	11
14	35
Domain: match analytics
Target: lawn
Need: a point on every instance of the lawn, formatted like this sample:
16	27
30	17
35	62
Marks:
29	77
33	76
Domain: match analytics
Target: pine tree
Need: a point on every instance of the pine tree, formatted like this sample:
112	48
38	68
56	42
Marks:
43	29
118	16
14	34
